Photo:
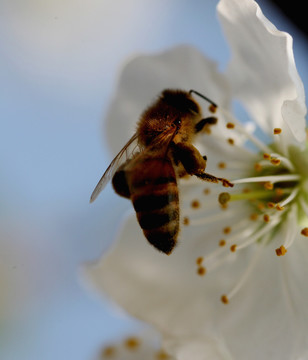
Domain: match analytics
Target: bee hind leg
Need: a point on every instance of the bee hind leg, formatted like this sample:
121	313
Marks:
194	163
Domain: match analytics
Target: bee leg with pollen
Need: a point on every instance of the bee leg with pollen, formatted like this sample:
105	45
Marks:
211	178
190	157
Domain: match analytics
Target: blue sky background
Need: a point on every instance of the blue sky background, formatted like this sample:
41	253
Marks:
59	63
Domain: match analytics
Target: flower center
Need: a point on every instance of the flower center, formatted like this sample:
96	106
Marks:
275	201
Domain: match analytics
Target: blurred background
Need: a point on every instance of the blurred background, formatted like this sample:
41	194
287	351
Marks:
59	64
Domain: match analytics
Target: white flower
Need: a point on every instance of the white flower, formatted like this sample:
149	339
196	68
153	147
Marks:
263	313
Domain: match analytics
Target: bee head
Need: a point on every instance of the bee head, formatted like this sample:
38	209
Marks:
181	101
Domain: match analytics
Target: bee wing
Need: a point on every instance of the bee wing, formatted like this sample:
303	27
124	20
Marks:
162	141
112	168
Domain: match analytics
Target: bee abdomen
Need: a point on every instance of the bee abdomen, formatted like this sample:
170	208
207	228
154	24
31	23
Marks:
158	216
154	220
163	238
150	202
154	194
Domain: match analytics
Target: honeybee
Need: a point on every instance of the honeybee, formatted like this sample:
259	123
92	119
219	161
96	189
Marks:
148	176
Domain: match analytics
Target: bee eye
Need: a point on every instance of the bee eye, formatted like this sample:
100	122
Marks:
177	122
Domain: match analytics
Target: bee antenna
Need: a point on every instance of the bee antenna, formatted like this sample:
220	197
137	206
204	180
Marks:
203	97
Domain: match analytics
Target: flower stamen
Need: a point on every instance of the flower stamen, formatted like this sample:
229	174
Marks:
271	178
227	297
230	118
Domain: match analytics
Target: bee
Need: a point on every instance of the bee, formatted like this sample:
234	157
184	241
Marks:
149	176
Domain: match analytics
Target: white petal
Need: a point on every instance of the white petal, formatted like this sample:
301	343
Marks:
166	292
145	76
262	68
197	347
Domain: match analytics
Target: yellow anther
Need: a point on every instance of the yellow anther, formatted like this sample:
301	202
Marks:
230	141
162	355
227	230
230	125
213	108
199	260
221	165
195	204
281	251
258	167
132	343
224	299
266	218
266	156
233	248
268	185
271	205
185	220
275	161
279	208
277	131
108	352
254	217
222	243
201	270
305	231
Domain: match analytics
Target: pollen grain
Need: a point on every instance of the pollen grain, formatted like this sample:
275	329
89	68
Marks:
224	299
132	343
258	167
186	220
230	141
254	217
275	161
277	131
221	165
199	260
108	352
268	185
227	230
279	207
195	204
281	251
305	231
266	156
230	125
266	218
233	248
222	243
162	355
201	270
213	108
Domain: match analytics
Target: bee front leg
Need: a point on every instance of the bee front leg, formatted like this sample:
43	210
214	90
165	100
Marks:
119	182
194	163
212	120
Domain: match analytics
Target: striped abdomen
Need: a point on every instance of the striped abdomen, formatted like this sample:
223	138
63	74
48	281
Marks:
154	194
